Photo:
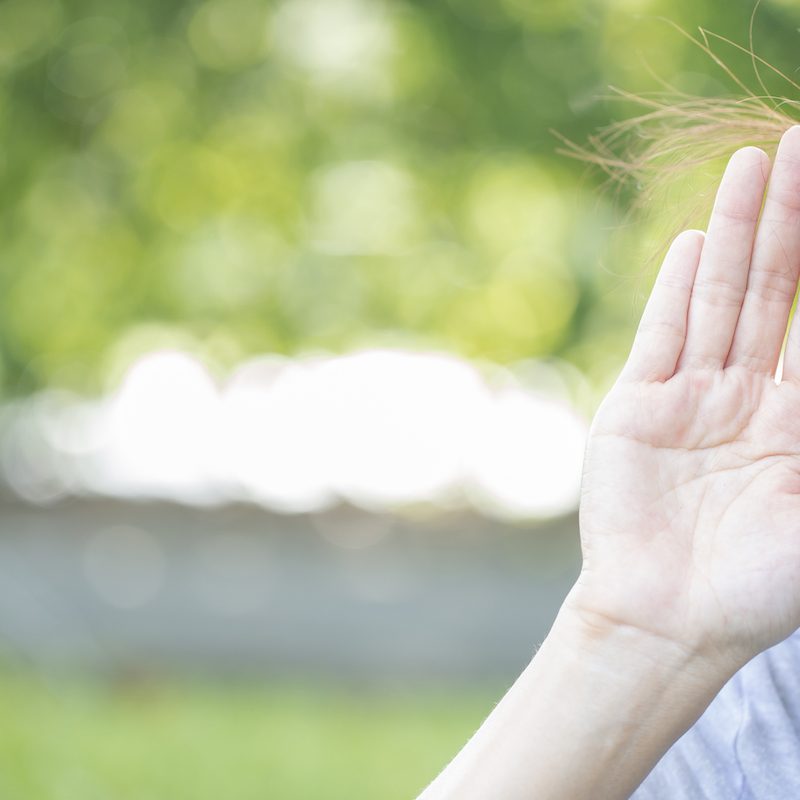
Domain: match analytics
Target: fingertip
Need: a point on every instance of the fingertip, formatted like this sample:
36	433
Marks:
688	240
750	155
692	234
741	190
789	146
750	158
791	134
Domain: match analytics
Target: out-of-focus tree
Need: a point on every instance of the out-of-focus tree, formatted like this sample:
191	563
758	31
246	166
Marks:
239	176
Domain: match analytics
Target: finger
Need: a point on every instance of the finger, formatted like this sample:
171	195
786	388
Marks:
790	370
774	267
721	279
662	330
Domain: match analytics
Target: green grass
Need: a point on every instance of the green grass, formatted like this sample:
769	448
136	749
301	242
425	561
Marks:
82	740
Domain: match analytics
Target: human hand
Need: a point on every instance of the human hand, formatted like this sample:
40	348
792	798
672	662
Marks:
690	515
690	511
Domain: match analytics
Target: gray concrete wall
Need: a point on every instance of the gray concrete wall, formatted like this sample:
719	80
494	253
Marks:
345	594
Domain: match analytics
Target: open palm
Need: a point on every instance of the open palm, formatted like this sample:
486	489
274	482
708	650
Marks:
690	516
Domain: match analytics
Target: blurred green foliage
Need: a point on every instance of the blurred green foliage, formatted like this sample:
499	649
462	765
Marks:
240	176
87	741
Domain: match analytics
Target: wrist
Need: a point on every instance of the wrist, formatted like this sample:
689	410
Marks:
625	695
590	716
652	629
643	662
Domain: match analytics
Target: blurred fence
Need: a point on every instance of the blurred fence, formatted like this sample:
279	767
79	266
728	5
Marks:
146	587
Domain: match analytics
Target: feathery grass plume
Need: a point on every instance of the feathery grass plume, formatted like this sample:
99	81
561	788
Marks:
675	134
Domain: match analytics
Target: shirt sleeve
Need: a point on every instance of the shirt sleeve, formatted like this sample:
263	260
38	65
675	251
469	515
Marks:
746	746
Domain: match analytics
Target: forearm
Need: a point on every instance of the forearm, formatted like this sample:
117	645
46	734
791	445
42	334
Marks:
588	718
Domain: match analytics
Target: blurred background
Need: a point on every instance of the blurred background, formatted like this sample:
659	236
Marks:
303	319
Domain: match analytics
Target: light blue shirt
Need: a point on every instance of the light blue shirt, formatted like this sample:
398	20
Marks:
746	746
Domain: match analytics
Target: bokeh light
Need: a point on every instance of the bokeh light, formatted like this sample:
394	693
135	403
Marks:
381	429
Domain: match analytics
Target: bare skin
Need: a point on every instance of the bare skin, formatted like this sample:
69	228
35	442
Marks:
689	518
692	474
